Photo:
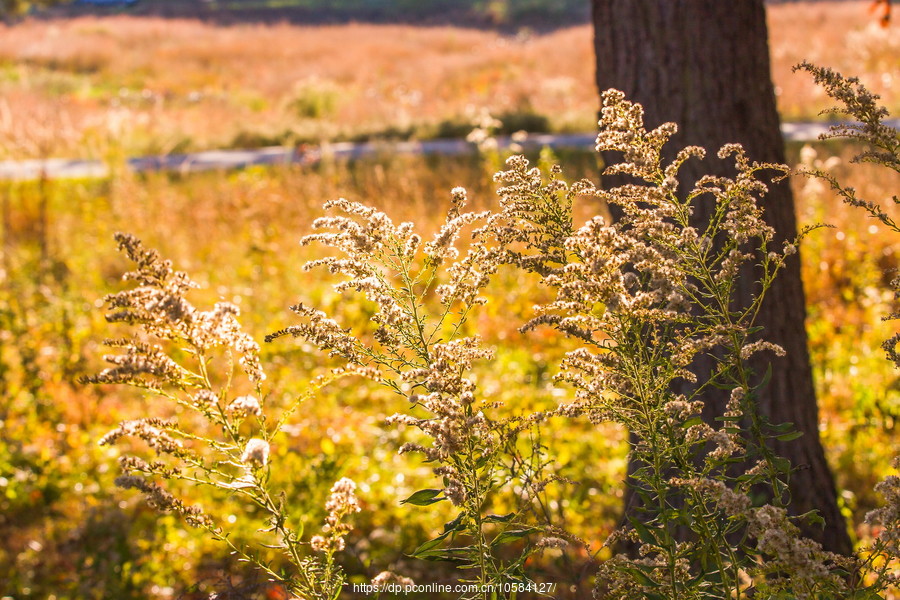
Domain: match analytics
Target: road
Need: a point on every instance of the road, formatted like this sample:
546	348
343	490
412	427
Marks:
58	168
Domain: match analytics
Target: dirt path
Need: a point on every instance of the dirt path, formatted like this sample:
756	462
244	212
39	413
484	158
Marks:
57	168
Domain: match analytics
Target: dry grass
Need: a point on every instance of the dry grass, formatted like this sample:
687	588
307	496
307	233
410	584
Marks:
174	79
153	85
842	35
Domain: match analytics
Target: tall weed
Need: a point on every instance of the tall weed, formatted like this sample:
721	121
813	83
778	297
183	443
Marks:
641	300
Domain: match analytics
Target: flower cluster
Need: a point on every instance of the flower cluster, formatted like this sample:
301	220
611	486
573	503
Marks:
887	518
256	453
162	500
152	431
536	216
225	441
341	504
245	406
159	308
882	143
448	397
650	305
142	364
423	295
651	277
485	126
793	563
386	577
649	298
856	100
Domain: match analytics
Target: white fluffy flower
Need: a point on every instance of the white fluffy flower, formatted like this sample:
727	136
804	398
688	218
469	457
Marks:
245	405
256	453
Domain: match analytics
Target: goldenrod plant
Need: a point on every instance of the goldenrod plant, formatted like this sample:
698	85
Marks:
643	301
202	363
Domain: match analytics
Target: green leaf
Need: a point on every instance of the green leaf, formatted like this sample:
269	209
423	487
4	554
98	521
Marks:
643	579
431	555
767	376
813	518
787	437
423	498
499	518
455	555
724	419
427	547
435	556
512	535
782	464
695	420
455	525
782	427
646	536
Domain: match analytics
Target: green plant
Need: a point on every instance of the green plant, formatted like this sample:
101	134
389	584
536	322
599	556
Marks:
647	298
881	144
314	99
223	438
424	296
643	301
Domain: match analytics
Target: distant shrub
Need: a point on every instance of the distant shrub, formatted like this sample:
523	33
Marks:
314	99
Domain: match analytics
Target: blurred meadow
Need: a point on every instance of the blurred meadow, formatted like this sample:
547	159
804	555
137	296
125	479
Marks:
95	87
120	86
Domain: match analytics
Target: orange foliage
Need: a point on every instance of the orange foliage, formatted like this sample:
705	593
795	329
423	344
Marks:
884	7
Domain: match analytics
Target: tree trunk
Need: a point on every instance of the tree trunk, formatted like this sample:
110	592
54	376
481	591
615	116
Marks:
704	64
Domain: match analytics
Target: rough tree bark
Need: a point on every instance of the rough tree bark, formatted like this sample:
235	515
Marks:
704	64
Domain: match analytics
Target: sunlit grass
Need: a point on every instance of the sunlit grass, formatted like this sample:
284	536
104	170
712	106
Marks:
90	87
238	232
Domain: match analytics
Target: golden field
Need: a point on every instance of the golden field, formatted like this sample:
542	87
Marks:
90	87
119	86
